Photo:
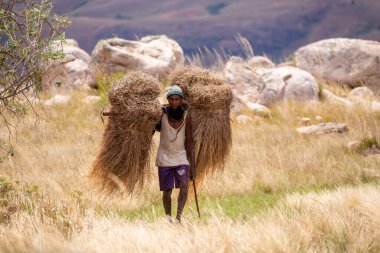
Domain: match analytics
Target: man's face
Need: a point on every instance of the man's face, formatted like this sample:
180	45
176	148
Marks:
175	101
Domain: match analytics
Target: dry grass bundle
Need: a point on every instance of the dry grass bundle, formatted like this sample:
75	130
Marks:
123	160
186	77
209	100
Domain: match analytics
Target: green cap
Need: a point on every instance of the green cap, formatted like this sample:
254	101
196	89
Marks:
175	90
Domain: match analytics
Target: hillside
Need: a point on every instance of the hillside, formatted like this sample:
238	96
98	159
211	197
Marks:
274	27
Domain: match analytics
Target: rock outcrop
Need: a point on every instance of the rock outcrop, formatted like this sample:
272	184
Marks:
246	83
258	108
286	84
334	99
243	119
91	99
269	85
375	106
361	94
72	72
346	61
58	100
324	128
261	62
156	55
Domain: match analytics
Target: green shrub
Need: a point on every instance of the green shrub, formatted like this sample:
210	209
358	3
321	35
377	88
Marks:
368	145
104	84
6	187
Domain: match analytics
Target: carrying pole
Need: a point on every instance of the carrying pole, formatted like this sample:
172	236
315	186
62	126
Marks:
196	198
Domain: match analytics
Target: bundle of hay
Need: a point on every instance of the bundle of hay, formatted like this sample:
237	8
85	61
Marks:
209	100
123	160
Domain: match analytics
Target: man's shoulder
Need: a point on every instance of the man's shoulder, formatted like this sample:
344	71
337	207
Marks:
164	108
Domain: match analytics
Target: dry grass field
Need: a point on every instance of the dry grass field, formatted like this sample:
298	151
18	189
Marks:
280	191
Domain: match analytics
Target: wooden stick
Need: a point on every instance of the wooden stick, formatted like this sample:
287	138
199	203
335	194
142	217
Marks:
109	113
196	198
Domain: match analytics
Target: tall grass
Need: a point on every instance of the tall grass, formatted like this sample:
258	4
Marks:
47	203
343	221
217	58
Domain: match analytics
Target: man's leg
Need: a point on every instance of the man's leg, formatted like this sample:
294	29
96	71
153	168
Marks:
182	197
167	202
166	180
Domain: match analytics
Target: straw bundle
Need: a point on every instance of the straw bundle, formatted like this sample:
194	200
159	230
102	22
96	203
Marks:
123	160
209	100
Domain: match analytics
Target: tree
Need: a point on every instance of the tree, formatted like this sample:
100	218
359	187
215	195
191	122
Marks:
27	30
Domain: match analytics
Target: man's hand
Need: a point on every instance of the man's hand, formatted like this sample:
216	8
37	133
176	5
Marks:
192	173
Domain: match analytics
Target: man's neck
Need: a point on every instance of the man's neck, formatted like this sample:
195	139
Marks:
175	114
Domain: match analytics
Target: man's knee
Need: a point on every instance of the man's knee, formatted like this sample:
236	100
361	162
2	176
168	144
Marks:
184	186
167	193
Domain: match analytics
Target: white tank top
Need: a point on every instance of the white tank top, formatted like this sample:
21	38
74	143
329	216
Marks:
171	151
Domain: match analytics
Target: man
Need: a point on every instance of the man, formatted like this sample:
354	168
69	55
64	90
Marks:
175	155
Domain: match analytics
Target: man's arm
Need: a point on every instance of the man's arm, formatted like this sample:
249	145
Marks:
158	125
189	145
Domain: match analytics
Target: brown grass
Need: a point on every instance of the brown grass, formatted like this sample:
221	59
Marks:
346	220
52	207
123	160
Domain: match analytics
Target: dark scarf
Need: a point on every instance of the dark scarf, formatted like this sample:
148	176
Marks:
175	114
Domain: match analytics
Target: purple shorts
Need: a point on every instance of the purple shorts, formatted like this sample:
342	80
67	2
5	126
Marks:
170	177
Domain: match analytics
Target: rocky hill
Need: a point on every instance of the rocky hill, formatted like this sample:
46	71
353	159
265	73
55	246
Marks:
274	27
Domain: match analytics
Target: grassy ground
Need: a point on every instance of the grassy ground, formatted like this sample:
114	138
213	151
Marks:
280	191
